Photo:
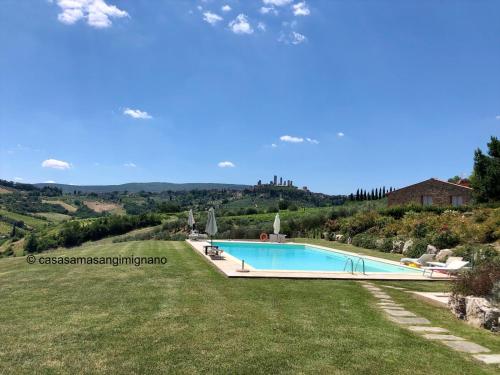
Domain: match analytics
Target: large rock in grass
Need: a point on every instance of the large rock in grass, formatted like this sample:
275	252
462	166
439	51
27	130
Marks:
476	311
397	246
480	313
432	249
442	255
457	306
407	246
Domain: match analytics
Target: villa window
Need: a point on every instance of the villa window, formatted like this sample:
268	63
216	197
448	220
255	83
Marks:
457	200
426	200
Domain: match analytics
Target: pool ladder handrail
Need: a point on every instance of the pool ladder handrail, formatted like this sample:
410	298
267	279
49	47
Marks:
362	262
352	264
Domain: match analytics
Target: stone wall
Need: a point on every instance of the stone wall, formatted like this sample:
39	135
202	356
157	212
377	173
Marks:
440	191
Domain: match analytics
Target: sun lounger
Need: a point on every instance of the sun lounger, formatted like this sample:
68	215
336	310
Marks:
448	261
450	268
195	236
422	261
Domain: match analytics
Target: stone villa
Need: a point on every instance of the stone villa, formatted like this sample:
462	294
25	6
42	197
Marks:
431	192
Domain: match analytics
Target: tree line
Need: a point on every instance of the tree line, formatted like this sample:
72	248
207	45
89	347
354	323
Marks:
374	194
76	232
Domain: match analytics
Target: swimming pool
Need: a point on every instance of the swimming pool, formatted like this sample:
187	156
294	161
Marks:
299	257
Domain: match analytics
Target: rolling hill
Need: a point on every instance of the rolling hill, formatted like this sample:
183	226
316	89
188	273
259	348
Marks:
135	187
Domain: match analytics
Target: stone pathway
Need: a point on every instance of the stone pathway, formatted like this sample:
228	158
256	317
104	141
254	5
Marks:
398	314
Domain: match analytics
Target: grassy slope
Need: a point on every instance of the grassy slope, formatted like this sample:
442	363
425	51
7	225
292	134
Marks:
5	228
54	216
61	203
186	318
28	220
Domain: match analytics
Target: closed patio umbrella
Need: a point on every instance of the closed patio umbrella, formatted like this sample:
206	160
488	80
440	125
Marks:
277	224
191	219
211	228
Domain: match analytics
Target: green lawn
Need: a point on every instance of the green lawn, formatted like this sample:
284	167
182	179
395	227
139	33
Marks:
187	318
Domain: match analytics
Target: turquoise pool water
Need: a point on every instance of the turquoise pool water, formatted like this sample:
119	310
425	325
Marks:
269	256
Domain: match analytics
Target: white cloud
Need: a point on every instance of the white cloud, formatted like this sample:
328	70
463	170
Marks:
226	8
261	26
301	9
274	145
226	164
313	141
97	12
129	165
297	38
497	117
18	179
50	182
211	18
267	10
291	139
340	134
55	164
240	25
292	38
137	114
278	3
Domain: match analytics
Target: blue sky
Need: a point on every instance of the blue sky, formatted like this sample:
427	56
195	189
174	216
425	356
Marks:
335	95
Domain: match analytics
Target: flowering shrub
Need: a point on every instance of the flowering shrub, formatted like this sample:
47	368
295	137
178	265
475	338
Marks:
479	281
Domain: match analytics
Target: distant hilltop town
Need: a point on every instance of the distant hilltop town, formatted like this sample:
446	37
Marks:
281	183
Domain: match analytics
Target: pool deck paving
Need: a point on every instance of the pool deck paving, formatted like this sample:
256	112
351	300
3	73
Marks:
231	267
412	322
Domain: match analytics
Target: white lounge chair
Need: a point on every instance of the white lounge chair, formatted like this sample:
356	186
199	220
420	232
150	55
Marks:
195	236
448	261
423	260
450	268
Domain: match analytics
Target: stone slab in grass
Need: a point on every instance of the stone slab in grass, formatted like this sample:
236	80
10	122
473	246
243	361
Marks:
399	313
392	307
382	295
427	329
489	359
406	320
437	336
394	287
387	300
390	303
466	347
